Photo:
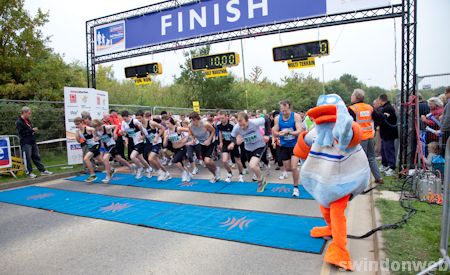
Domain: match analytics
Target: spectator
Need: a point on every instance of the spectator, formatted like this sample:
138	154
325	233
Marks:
433	150
28	144
443	98
445	125
388	134
363	114
436	111
424	109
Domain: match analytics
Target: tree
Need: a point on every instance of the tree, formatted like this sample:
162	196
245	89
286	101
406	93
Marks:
22	44
211	92
255	74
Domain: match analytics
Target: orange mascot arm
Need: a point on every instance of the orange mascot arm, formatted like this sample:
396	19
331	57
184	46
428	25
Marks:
357	135
301	149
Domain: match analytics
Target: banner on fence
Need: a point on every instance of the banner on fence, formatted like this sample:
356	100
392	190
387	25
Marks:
76	101
5	153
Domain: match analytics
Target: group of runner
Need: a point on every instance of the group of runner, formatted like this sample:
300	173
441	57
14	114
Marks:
241	139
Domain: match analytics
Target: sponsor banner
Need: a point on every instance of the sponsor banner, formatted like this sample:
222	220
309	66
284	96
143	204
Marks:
109	38
196	106
310	62
76	101
216	73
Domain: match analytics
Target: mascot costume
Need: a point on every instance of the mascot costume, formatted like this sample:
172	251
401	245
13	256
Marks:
335	169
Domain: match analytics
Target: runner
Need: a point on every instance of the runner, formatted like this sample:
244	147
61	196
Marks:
106	135
134	129
87	134
247	132
204	132
224	129
193	146
154	144
175	141
288	126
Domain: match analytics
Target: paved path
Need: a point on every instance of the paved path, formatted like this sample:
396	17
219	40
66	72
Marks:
35	241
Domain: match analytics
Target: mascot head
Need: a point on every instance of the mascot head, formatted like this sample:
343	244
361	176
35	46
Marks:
333	122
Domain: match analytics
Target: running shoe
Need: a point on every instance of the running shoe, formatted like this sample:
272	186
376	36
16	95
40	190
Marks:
160	175
254	178
91	178
148	173
32	176
166	176
229	176
139	173
241	178
106	180
133	169
262	185
46	173
296	192
383	168
113	171
283	175
195	171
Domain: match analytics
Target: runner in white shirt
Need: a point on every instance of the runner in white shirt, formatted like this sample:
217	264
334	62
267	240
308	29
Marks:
135	131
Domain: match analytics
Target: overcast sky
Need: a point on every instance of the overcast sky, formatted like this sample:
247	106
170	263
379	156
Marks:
366	50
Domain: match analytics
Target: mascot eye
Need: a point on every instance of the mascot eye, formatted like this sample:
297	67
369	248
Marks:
332	100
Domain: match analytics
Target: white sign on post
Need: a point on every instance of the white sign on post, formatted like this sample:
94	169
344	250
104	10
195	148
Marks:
76	101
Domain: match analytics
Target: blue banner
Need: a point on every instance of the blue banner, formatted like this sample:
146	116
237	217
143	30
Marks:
5	153
109	38
215	16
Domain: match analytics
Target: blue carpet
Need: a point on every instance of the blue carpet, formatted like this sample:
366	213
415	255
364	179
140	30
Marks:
265	229
201	185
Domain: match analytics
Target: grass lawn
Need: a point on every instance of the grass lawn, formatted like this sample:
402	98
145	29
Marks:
48	159
419	239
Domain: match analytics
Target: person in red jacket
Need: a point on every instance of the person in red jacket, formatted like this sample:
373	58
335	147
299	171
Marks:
115	119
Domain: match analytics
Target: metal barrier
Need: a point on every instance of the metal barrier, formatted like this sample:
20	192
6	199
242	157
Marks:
445	224
186	111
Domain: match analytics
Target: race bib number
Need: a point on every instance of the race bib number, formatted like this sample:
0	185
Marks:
151	137
251	138
289	137
174	138
226	136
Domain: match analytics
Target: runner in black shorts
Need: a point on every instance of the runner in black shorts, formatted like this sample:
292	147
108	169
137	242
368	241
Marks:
205	133
175	141
135	130
105	133
153	143
225	128
288	126
92	142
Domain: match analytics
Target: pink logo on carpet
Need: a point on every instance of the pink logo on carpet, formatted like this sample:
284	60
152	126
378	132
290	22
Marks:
242	223
115	207
40	196
281	189
187	184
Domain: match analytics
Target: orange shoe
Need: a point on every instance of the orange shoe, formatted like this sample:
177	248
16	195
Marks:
338	257
320	232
